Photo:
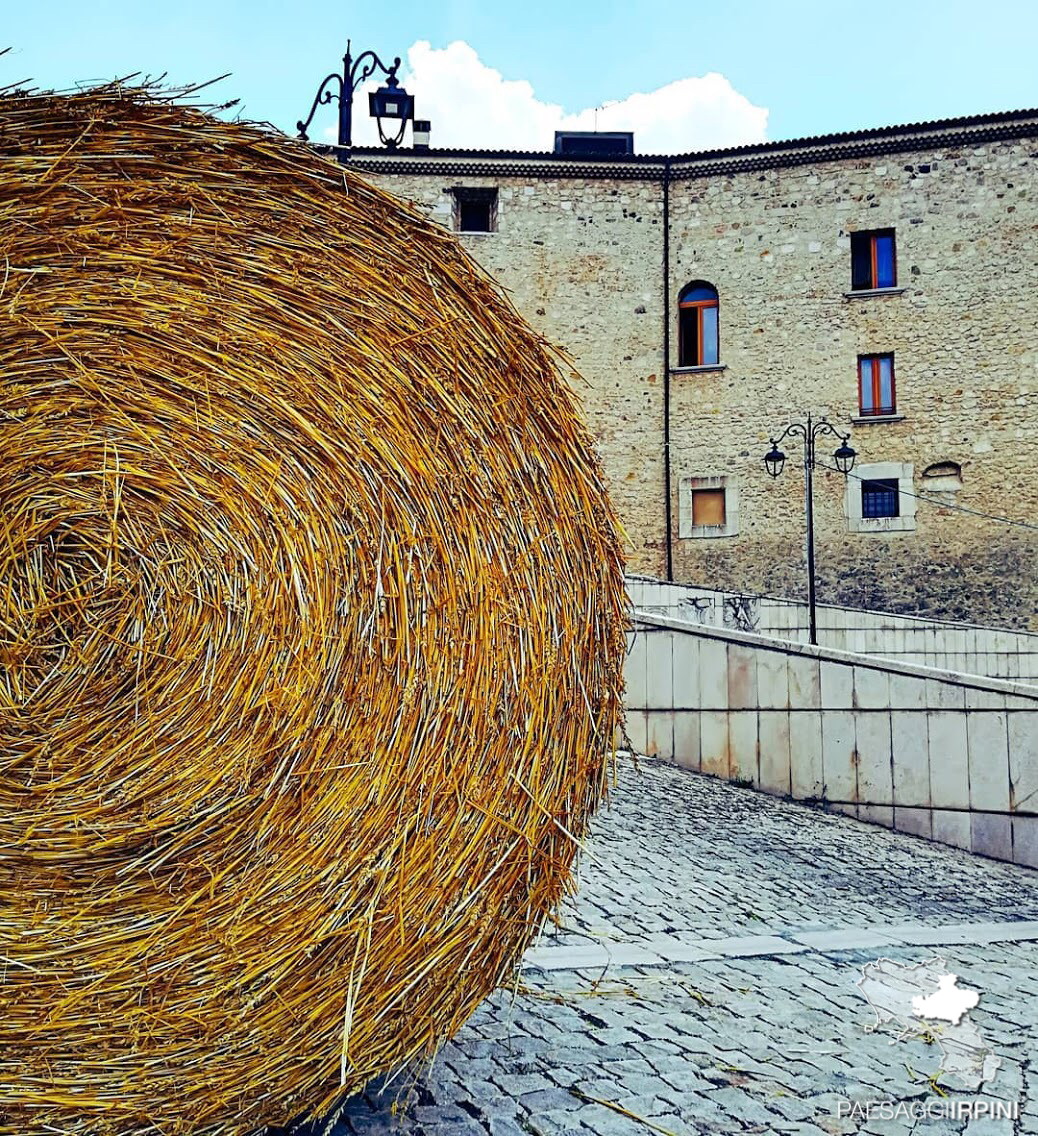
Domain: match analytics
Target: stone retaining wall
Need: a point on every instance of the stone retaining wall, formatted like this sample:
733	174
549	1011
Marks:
990	651
949	757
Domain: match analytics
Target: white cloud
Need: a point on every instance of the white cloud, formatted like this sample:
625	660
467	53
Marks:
475	107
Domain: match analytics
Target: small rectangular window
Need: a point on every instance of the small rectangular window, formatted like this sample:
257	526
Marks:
873	260
475	209
880	498
876	392
708	507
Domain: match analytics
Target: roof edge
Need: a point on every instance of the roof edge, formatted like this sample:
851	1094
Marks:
933	130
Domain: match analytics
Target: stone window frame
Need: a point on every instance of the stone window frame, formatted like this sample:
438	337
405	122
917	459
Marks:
689	531
481	194
903	473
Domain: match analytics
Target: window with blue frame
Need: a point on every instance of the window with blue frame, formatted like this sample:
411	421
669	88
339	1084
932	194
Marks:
880	498
876	393
698	325
873	260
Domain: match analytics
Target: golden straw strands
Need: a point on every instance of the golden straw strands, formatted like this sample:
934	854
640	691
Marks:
311	625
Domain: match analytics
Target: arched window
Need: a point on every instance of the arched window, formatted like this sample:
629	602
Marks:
697	325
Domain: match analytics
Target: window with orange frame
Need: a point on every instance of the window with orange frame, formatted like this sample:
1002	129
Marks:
877	394
698	325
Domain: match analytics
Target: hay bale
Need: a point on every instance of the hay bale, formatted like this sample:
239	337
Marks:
312	616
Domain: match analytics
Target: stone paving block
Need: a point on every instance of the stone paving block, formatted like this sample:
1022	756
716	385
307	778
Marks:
567	958
605	1121
881	1127
376	1125
740	1105
549	1100
614	1036
458	1119
743	945
505	1126
843	939
553	1124
790	1107
1014	931
824	1111
672	1123
990	1126
674	950
519	1084
685	1081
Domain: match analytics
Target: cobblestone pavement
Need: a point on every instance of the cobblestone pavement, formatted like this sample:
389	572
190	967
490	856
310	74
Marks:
703	981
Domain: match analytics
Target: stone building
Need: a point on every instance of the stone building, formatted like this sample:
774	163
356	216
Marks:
887	279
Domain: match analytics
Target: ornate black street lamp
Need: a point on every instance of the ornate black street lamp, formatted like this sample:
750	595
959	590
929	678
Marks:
390	102
775	460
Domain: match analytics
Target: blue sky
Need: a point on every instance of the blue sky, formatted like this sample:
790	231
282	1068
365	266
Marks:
779	69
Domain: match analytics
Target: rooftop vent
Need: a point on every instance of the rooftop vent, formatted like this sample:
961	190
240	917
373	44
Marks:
596	142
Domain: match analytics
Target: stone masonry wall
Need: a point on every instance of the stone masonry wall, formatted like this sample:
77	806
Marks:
582	260
776	245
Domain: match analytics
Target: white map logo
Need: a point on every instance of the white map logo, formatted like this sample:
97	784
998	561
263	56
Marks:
925	1001
948	1002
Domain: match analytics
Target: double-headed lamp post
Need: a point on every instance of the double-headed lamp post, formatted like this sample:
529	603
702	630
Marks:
774	461
390	101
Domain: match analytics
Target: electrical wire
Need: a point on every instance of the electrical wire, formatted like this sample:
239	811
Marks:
930	499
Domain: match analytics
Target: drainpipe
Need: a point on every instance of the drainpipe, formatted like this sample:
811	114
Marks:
666	366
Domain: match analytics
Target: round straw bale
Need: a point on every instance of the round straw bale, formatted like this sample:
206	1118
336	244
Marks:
311	625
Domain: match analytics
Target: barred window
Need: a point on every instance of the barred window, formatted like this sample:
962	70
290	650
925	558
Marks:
880	498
